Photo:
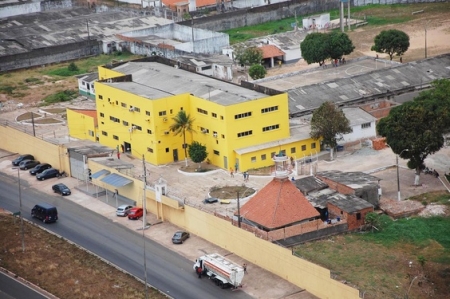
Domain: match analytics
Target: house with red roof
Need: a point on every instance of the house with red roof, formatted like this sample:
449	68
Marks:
272	53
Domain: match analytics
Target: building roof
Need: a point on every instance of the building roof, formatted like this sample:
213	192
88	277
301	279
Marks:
309	184
89	77
358	116
353	180
270	51
89	112
154	80
198	3
349	203
277	205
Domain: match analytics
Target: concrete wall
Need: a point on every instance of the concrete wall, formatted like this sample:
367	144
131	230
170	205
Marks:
28	7
388	2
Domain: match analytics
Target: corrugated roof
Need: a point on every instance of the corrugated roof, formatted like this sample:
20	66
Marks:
100	173
116	180
277	205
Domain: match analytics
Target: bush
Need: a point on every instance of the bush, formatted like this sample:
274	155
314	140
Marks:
6	89
73	67
62	96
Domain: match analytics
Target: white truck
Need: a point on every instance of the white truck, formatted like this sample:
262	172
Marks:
222	271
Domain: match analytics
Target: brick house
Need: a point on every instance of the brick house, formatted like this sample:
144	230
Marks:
349	207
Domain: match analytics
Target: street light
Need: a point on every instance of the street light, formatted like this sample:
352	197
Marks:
20	210
398	175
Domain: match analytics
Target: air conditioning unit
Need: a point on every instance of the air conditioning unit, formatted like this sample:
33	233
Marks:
164	119
215	135
133	127
204	131
130	129
131	109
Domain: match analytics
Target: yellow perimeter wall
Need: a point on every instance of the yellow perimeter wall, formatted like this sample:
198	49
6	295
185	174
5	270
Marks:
81	126
16	141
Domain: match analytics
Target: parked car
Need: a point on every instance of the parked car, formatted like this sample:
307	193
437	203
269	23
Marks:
19	159
179	237
135	213
210	200
39	168
123	210
61	189
47	174
45	212
27	164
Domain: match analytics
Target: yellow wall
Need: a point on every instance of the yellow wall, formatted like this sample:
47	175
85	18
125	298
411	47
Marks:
105	73
16	141
80	124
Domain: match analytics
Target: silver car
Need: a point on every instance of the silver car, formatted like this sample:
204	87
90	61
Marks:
123	210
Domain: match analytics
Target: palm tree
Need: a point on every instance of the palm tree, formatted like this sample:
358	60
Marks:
182	123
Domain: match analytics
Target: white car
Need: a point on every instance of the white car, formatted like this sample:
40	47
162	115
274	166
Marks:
123	210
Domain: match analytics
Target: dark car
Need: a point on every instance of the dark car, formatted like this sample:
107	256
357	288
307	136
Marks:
210	200
135	213
179	237
47	174
27	164
19	159
40	168
45	212
61	189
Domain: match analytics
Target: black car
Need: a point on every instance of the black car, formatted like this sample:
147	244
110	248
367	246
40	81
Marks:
27	164
19	159
45	212
210	200
48	174
179	237
40	168
61	189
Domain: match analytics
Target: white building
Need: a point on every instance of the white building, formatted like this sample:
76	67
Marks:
362	123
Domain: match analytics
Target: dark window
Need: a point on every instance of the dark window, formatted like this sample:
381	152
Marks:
115	137
100	97
149	131
358	216
167	149
242	115
125	123
102	114
216	153
104	133
313	145
150	149
263	157
246	133
214	115
147	113
269	109
162	113
199	110
124	105
270	128
303	147
292	150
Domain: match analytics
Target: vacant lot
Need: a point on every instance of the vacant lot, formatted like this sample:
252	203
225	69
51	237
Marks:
48	259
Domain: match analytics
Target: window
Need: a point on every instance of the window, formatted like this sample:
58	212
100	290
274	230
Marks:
303	148
162	113
91	133
221	117
246	133
147	113
149	131
253	159
269	109
171	111
223	136
242	115
117	102
149	149
313	145
217	153
137	109
124	105
204	130
263	157
365	126
199	110
214	114
114	119
292	150
115	137
102	114
272	154
136	127
125	123
100	97
358	216
270	128
167	149
104	133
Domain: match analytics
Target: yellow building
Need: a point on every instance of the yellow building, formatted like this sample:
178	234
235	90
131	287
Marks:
136	102
82	123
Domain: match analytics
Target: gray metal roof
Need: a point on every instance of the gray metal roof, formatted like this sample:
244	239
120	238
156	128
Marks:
357	116
98	174
89	77
154	80
349	203
116	180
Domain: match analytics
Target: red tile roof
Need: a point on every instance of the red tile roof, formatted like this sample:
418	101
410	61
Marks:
277	205
90	113
271	51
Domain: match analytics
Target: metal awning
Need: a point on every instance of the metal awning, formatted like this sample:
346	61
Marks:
100	173
116	180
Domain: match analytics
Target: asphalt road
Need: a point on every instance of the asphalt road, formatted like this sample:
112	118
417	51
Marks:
13	289
166	270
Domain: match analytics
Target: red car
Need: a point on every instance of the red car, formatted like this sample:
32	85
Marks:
135	213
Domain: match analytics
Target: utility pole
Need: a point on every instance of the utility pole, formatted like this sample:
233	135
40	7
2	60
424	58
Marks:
32	123
342	15
239	210
20	210
144	224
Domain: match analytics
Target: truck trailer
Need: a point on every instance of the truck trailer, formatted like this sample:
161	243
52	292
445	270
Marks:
222	271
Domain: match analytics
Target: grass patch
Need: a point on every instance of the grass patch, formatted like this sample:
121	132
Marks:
61	96
54	110
33	80
27	116
8	89
230	192
437	197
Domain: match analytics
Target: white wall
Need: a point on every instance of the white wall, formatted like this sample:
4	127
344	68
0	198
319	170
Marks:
360	133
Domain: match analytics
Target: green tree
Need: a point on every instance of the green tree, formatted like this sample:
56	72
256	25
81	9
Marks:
373	219
413	132
73	67
391	42
437	98
339	44
252	55
328	123
182	123
257	71
197	152
314	48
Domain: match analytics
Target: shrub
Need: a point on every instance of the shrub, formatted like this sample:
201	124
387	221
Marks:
62	96
73	67
6	89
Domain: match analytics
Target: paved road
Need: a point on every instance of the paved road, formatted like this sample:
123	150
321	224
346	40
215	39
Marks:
13	289
166	270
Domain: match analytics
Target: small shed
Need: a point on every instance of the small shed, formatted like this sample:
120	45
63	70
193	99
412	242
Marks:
316	22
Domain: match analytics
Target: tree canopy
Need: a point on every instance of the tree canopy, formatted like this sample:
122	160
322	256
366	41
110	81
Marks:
328	123
318	47
197	152
391	42
183	123
437	98
248	56
257	71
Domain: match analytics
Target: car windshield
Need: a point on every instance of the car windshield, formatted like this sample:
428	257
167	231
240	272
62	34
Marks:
177	235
